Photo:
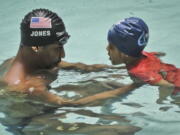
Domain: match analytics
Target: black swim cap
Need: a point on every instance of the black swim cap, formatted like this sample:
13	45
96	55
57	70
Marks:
42	27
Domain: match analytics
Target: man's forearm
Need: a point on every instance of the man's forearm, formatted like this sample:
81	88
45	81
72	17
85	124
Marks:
85	67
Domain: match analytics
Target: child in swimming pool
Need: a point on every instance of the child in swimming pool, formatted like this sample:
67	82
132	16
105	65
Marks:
127	39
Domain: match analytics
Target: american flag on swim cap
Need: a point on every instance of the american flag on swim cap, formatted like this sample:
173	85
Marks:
40	22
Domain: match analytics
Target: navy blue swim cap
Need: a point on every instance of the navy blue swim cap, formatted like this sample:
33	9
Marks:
130	36
42	27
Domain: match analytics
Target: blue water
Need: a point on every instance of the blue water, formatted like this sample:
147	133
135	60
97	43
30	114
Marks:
145	111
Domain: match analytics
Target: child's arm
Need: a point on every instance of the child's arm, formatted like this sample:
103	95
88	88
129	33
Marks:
165	83
85	67
107	94
152	78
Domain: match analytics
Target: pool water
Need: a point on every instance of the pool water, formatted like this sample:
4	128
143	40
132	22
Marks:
147	110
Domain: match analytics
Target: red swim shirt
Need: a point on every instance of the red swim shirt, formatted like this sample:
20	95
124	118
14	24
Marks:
151	70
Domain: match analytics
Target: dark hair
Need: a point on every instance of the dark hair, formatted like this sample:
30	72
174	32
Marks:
45	33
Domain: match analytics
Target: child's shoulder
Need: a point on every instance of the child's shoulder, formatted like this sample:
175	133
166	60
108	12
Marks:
148	62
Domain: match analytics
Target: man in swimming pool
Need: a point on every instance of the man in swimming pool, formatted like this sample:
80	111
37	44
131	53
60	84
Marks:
43	35
127	39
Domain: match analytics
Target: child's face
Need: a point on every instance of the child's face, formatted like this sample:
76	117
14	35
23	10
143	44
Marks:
115	55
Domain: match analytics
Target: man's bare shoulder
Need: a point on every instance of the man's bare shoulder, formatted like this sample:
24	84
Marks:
5	65
7	62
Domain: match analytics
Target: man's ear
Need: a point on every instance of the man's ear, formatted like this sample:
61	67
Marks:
35	48
125	55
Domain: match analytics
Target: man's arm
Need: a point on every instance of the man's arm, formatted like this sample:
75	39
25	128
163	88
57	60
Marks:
85	67
36	89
